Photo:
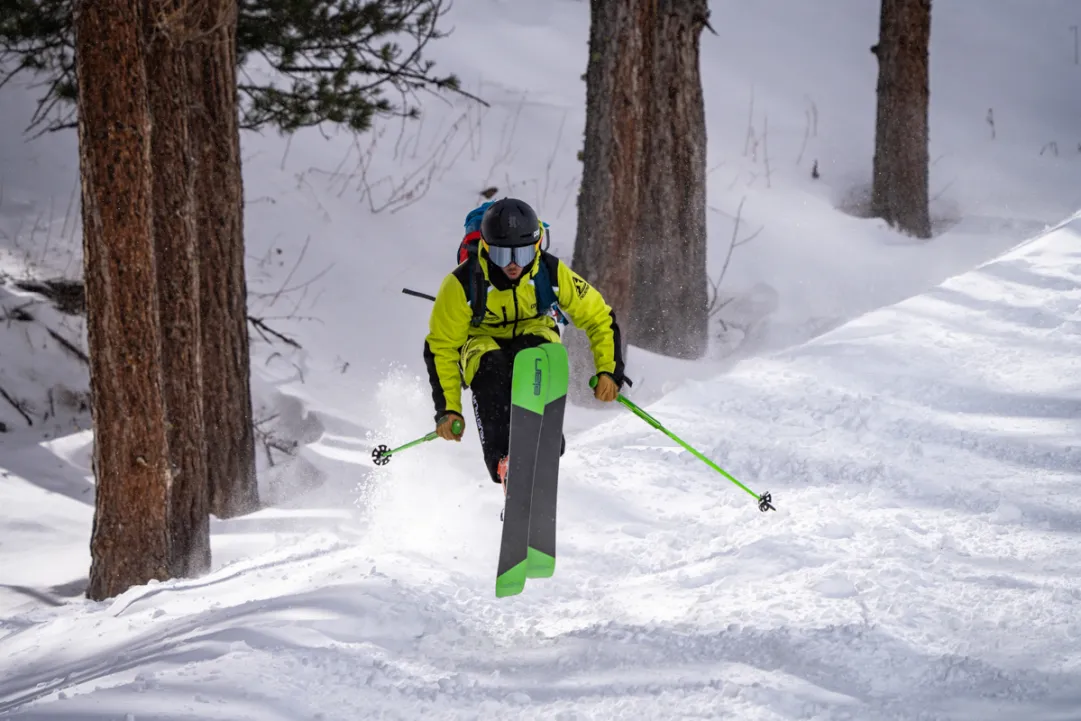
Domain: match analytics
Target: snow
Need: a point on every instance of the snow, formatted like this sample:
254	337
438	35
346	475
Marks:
911	405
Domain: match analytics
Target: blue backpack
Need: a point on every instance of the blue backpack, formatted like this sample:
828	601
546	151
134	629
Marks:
468	250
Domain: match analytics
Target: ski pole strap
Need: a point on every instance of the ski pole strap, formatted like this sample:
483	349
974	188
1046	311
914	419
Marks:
765	501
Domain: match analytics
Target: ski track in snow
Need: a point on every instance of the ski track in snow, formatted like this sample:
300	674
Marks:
921	565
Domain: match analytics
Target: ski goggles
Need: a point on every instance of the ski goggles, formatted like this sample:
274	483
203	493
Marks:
502	257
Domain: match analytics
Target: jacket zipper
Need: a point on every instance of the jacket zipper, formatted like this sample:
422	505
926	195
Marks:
514	330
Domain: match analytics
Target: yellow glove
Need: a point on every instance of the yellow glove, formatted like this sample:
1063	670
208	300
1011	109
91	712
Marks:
606	389
447	425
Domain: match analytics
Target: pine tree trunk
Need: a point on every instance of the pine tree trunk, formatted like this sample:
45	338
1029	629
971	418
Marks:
129	543
616	83
227	406
612	167
641	210
168	29
900	194
671	287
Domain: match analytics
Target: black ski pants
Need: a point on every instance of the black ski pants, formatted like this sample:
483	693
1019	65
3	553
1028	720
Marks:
491	388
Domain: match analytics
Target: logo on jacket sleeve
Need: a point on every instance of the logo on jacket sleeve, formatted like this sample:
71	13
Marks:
581	287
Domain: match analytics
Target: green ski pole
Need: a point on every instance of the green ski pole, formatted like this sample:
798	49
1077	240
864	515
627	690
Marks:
765	502
381	455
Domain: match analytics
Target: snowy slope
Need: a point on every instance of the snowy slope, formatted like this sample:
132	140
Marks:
922	563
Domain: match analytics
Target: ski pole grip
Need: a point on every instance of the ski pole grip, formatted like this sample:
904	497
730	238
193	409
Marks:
456	426
593	382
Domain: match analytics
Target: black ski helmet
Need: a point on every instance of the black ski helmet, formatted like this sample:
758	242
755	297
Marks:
510	223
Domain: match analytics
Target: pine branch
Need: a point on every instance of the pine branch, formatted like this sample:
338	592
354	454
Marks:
331	62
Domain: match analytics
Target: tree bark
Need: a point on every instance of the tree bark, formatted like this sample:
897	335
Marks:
641	210
613	160
168	28
227	407
671	289
129	542
612	163
900	193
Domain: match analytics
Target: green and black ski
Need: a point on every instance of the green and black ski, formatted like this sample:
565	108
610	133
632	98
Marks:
541	561
538	401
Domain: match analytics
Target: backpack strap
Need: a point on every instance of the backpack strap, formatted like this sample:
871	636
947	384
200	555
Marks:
547	300
477	291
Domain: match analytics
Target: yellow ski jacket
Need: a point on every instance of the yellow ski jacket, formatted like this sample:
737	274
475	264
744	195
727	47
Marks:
453	347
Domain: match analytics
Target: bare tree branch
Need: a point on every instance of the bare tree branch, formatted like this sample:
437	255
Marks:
263	329
715	303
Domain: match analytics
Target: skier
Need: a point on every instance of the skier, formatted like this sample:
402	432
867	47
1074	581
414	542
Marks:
472	345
